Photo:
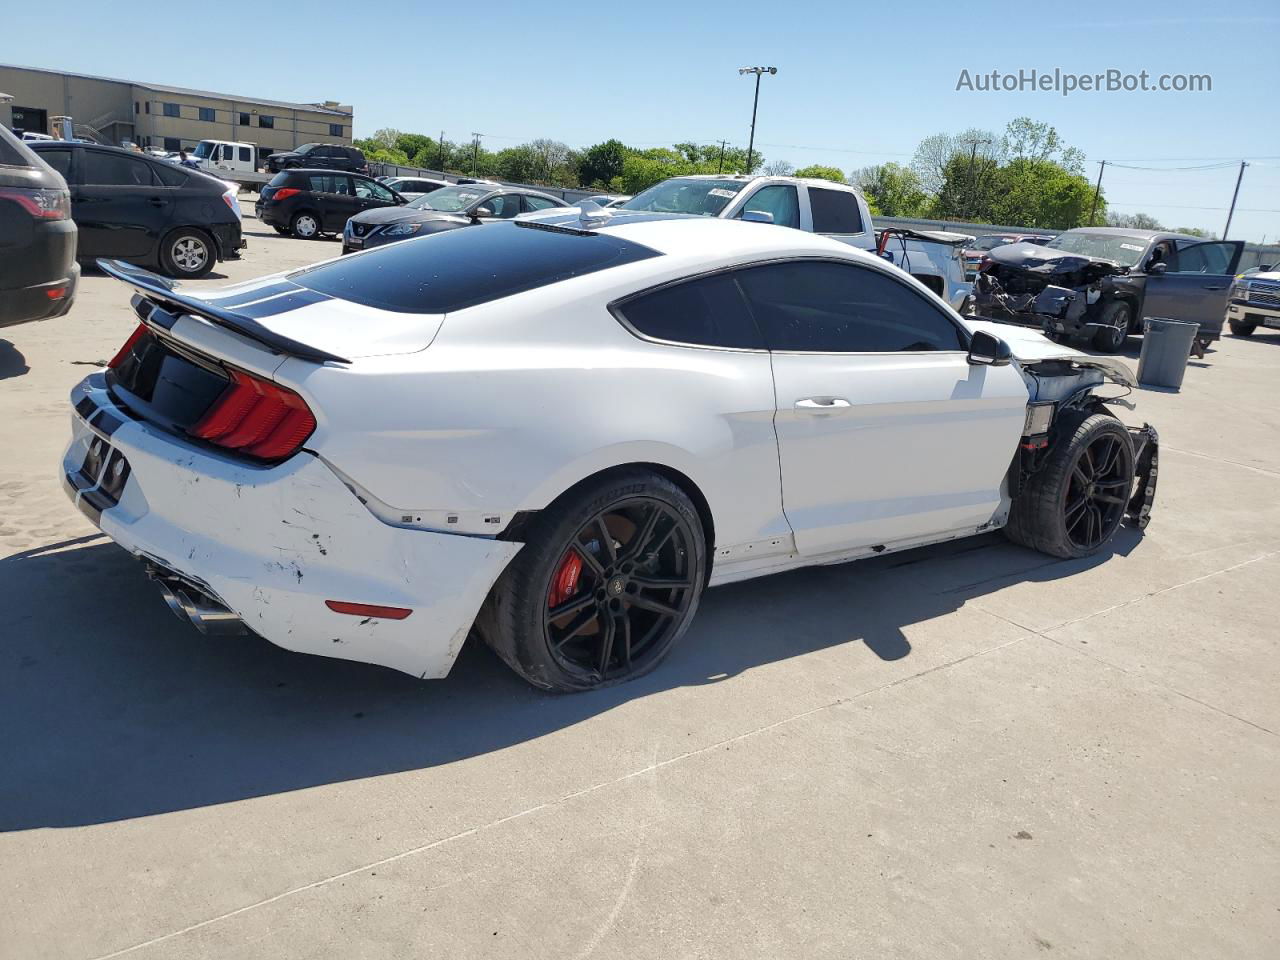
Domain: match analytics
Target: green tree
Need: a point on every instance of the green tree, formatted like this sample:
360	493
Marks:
412	144
1135	221
820	172
892	190
601	163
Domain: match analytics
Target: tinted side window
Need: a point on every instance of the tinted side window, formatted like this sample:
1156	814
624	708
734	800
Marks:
169	175
329	183
60	160
246	153
842	308
504	207
1201	258
834	211
116	169
538	203
367	188
780	200
708	312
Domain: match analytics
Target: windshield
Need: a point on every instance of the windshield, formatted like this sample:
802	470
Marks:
306	148
704	197
204	149
991	242
449	199
1119	247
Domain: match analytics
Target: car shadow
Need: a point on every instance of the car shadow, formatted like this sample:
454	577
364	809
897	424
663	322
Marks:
12	362
113	709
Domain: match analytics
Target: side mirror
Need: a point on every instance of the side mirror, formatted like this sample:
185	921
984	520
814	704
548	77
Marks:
1264	268
989	350
1157	269
483	210
758	216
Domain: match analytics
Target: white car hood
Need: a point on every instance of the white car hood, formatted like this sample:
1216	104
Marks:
1031	346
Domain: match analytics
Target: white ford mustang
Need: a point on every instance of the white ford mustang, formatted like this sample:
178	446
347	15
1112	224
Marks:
558	433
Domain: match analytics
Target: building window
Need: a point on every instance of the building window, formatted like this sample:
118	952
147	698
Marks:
206	113
171	110
335	129
244	119
146	107
172	144
136	109
265	121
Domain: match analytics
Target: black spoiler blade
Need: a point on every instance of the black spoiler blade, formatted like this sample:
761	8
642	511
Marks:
163	291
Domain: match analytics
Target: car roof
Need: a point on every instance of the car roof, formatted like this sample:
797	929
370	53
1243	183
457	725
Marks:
766	178
679	234
1135	232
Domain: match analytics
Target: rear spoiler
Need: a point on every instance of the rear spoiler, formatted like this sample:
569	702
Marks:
162	293
930	236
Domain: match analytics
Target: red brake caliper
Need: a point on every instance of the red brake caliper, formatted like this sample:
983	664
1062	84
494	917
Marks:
565	582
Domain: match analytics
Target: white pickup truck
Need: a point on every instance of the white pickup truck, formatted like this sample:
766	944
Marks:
832	209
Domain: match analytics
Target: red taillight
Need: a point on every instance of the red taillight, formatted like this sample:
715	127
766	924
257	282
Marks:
368	610
56	293
284	193
256	417
124	351
41	203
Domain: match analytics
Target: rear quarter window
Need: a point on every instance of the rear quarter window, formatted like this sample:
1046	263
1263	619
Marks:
834	211
463	268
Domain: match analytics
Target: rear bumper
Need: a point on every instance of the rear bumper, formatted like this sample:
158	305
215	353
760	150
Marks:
44	301
272	544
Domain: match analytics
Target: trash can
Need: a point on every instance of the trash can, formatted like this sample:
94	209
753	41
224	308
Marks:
1166	345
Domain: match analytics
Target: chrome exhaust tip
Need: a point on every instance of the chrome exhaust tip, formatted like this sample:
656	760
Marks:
200	610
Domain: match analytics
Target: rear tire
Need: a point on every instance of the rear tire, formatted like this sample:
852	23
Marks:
1075	503
623	557
1241	329
187	253
305	225
1117	316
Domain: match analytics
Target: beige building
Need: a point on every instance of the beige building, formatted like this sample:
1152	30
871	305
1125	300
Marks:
155	115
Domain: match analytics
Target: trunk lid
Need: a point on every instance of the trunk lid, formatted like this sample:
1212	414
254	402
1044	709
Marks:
1031	346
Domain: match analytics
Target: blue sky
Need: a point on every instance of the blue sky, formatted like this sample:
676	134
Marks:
857	83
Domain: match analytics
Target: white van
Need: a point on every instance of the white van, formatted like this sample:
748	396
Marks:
226	156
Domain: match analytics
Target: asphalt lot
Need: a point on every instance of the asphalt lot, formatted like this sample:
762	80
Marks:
964	751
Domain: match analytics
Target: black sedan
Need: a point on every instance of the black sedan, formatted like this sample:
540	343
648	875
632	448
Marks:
446	209
132	207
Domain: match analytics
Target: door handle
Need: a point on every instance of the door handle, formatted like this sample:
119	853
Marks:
158	201
822	404
1216	288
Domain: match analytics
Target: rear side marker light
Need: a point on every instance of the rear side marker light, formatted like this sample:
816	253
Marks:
123	353
256	417
56	293
368	610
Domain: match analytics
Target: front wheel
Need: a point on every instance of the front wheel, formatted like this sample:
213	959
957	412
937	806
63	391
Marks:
1110	338
608	581
187	254
1241	329
1075	503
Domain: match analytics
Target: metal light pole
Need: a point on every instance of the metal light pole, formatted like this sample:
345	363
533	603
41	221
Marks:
475	150
759	72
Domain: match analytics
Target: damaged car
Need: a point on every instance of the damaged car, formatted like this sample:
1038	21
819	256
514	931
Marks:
1098	283
553	435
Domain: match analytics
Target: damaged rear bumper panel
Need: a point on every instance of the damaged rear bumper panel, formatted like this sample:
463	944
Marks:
274	543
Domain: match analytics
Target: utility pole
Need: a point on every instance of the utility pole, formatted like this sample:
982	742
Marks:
758	71
1231	212
720	168
973	176
440	144
1096	191
475	150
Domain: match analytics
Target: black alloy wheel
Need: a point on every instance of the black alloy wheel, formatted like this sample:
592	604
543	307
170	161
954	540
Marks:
1097	492
621	590
606	584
